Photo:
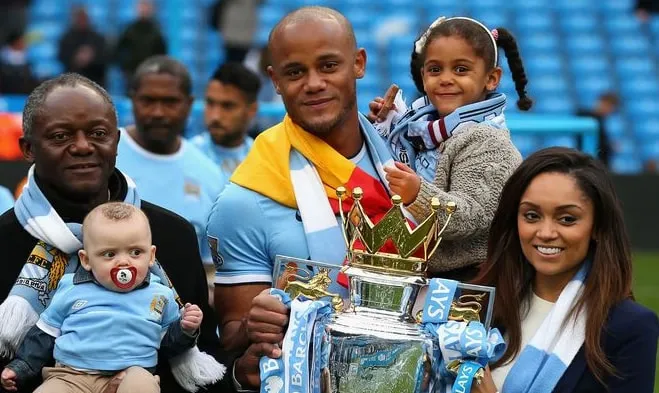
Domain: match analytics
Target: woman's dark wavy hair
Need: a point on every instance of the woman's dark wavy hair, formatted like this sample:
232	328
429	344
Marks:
610	279
481	42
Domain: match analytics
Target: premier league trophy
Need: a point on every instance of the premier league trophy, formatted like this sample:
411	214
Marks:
378	341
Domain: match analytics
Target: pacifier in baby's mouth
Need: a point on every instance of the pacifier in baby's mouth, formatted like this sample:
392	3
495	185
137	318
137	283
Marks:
123	277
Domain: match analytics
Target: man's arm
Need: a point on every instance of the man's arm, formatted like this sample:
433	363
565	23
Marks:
238	236
35	353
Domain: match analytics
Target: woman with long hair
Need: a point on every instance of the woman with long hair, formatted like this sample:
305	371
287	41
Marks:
559	257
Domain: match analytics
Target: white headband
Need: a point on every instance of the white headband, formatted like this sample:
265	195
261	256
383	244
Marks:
421	42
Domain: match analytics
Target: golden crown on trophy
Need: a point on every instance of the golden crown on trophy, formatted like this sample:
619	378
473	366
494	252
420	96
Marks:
413	247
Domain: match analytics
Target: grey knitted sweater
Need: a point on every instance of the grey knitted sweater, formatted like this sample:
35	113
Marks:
472	168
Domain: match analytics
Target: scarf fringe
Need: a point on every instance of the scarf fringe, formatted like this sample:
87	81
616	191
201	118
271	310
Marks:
193	369
17	316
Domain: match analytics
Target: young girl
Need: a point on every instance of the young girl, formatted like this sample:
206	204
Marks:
559	256
454	138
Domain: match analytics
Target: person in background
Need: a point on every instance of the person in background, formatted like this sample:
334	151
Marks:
141	40
13	16
560	259
89	339
6	199
169	170
82	50
645	9
71	138
606	104
236	21
229	110
258	61
16	76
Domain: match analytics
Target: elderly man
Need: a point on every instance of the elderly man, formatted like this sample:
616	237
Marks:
71	137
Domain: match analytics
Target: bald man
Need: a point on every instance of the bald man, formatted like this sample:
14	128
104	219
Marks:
315	65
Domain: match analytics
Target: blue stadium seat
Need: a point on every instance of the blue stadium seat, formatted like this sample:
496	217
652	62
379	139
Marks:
580	66
616	7
625	23
535	22
626	164
578	22
647	129
549	104
650	150
48	31
584	44
641	109
623	146
492	17
539	44
626	67
47	69
526	144
629	45
434	8
45	10
570	7
559	140
616	126
547	63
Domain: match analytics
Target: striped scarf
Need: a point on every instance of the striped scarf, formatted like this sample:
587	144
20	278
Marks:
298	170
56	254
545	358
414	133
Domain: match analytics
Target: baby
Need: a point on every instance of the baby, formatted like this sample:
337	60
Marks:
110	316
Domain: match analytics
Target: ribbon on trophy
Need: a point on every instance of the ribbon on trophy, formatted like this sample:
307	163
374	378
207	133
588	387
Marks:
462	347
293	371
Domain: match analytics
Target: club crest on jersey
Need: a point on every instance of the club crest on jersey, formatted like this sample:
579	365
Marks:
191	188
213	244
157	307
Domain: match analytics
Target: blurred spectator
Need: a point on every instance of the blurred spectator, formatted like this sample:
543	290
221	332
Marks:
230	108
606	104
236	21
644	9
651	166
141	40
13	17
6	199
82	50
258	61
16	75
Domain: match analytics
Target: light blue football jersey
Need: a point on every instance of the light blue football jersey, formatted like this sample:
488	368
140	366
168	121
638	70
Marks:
248	230
186	182
227	158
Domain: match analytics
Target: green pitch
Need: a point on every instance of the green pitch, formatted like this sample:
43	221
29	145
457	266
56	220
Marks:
646	288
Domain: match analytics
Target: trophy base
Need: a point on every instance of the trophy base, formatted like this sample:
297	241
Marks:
376	355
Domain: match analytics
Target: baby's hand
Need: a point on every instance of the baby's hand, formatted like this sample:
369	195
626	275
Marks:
404	182
8	380
191	319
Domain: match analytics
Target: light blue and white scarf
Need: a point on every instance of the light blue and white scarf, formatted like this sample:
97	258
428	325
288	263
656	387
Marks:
297	370
322	231
471	343
542	362
413	133
56	254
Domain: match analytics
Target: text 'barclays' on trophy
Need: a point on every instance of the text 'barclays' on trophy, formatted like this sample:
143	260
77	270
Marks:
375	339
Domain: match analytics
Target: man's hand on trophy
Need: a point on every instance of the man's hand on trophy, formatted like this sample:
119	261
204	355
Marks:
246	367
267	319
486	384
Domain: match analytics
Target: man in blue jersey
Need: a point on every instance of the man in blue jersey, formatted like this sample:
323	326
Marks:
263	212
228	113
169	171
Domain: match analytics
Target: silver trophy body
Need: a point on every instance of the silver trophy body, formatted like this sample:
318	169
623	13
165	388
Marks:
376	345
